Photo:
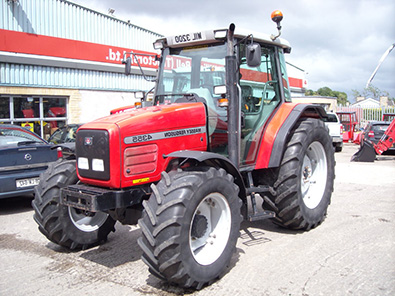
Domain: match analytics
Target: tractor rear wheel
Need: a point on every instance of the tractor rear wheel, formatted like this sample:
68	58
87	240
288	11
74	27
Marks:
67	226
190	226
304	180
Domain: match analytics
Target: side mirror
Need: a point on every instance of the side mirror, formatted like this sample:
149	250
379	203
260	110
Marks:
253	55
139	98
220	90
139	95
128	65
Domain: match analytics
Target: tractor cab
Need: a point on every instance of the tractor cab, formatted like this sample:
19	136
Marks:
193	69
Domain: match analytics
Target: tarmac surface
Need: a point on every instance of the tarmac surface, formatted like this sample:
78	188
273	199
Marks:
351	253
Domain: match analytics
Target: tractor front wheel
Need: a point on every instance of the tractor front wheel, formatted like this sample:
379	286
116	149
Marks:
67	226
190	226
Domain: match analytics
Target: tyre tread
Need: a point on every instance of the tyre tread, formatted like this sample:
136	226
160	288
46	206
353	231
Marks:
160	237
285	202
47	208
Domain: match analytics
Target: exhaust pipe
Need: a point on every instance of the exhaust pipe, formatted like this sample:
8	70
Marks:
234	104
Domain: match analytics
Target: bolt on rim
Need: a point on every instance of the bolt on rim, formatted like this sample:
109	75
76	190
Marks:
87	221
314	175
210	229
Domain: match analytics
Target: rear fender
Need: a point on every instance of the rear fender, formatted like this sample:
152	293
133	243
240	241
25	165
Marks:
277	142
215	160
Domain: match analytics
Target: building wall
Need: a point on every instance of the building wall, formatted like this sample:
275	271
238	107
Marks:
328	103
64	19
297	80
56	48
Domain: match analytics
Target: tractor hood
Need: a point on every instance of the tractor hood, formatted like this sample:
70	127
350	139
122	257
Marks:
153	119
136	143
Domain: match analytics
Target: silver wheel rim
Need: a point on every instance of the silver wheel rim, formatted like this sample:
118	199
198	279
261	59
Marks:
87	221
314	175
214	214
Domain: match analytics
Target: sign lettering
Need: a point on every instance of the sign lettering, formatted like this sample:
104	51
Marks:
164	135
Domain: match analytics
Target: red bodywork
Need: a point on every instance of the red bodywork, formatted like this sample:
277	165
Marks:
28	113
349	121
154	130
122	109
56	112
266	145
141	138
369	150
387	140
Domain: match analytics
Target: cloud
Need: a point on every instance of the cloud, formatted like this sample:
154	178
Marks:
339	43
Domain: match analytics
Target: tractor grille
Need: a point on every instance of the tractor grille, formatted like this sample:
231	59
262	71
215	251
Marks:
140	159
93	154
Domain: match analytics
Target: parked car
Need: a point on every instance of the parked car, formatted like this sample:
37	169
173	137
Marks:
64	137
64	134
335	130
23	157
373	132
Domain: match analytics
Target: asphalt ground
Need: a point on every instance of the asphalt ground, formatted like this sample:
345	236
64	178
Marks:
351	253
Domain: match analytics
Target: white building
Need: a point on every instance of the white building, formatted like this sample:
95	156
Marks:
366	103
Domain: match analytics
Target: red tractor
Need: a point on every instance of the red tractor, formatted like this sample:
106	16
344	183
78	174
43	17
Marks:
349	121
187	170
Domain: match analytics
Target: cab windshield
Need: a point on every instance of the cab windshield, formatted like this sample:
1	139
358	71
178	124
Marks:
191	70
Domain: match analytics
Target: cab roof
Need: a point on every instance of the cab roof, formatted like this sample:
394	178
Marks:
212	36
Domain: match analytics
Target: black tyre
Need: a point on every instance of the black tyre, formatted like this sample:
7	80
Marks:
304	181
190	226
66	226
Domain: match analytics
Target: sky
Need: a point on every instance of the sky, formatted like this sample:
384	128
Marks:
337	42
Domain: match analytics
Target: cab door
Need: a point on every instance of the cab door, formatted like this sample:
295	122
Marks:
260	96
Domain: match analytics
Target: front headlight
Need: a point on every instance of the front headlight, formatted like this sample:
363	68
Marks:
83	163
98	165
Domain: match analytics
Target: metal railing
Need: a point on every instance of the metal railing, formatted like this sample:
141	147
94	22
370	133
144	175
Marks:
368	113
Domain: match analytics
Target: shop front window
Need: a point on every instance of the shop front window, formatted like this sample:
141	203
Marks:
4	109
53	110
42	115
26	108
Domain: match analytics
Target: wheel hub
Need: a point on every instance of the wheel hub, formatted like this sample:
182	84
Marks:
199	226
307	174
313	175
87	221
210	228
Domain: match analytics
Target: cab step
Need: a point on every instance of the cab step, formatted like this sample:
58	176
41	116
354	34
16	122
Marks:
261	216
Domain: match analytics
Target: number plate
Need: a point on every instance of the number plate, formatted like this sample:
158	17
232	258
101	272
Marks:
189	38
27	182
192	37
